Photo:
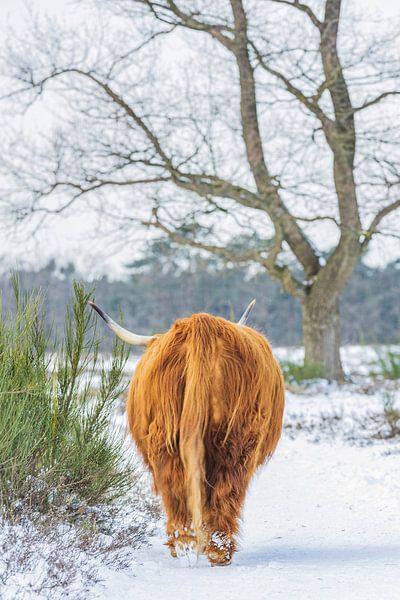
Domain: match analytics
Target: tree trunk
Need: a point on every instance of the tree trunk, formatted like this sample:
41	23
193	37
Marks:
321	330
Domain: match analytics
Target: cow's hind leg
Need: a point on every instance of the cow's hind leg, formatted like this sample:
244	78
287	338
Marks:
225	499
170	483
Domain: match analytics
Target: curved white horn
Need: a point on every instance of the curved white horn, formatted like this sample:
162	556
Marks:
128	336
244	317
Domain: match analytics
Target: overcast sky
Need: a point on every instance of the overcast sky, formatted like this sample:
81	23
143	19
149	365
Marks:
68	239
14	8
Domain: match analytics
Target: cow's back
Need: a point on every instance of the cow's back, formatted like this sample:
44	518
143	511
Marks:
245	397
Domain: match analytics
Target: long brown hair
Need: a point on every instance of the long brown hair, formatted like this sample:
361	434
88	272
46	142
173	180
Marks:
199	387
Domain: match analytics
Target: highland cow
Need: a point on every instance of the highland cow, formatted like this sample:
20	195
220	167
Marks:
205	409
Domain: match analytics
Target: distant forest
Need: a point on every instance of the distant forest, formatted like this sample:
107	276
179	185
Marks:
164	286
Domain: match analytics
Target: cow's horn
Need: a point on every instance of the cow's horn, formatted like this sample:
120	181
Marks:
128	336
244	317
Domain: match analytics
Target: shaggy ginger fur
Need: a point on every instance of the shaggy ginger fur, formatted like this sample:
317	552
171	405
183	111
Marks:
205	409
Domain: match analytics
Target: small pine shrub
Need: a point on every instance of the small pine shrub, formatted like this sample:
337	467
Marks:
56	402
297	373
388	363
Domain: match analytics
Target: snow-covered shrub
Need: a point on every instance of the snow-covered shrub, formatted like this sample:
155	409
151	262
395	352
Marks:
71	496
45	556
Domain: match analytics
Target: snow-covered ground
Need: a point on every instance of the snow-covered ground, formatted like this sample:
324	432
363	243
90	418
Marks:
321	520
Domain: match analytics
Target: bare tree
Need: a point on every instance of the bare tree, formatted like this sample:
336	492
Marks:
281	124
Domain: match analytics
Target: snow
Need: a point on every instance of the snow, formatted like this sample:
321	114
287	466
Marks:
321	521
356	359
53	557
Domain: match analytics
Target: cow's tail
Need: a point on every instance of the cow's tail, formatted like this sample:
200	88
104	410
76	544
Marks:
194	419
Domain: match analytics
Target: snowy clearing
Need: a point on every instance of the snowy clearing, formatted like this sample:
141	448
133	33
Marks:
321	520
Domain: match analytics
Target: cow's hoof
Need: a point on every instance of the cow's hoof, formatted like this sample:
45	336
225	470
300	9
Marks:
187	553
183	544
220	550
218	561
172	551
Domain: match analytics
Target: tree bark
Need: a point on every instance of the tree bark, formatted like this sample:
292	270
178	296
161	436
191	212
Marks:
321	331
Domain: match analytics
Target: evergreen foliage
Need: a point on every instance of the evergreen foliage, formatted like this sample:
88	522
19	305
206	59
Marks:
55	408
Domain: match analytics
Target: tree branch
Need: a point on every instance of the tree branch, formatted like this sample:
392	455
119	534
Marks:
223	251
189	21
269	200
372	229
295	237
376	100
277	272
310	102
267	190
304	8
341	137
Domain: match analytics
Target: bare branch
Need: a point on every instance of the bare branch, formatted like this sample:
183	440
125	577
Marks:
188	20
254	147
222	251
319	218
376	100
372	229
269	262
310	102
304	8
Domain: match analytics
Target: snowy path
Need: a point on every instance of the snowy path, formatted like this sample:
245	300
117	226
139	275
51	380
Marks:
321	522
